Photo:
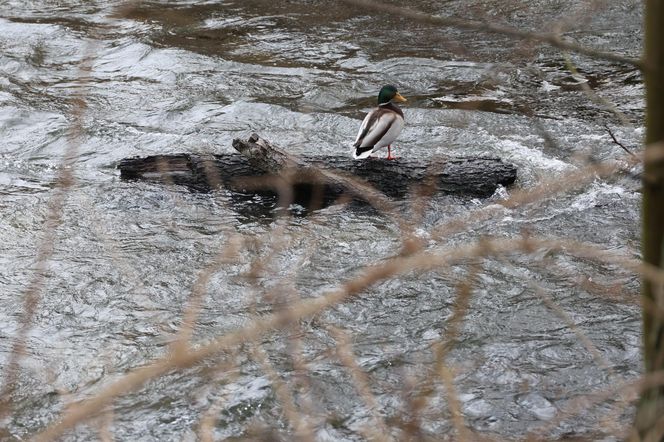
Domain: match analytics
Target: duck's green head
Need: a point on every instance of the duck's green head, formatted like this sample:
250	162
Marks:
389	93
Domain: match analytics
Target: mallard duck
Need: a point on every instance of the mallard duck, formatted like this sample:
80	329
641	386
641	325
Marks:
381	126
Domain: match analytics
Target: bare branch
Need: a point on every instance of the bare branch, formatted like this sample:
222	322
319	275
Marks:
615	140
421	262
361	380
46	247
551	39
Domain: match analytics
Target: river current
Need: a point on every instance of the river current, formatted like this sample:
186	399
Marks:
84	84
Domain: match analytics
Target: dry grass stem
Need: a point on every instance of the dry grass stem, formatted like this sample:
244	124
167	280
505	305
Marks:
199	290
626	392
411	416
594	96
301	384
290	308
447	377
64	182
105	426
279	308
539	291
580	335
548	188
207	423
296	417
552	39
347	357
581	14
441	349
209	418
421	262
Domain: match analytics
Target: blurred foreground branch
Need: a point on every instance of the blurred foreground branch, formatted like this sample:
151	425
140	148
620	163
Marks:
421	261
552	39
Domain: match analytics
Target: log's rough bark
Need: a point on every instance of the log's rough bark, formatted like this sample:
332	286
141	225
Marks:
261	168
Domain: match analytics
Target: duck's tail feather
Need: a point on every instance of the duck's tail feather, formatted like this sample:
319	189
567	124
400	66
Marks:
362	152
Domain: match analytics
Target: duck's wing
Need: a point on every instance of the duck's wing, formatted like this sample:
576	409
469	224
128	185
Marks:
374	127
368	121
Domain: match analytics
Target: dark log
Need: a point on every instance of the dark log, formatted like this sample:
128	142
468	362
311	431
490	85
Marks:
261	168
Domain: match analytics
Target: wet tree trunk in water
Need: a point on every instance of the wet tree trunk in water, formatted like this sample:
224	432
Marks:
650	415
261	168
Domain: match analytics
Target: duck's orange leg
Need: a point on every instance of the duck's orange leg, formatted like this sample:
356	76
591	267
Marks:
389	153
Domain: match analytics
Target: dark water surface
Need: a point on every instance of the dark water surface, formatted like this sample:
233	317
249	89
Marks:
189	76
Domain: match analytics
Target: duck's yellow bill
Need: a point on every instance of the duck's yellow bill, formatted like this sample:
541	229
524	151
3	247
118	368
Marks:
399	98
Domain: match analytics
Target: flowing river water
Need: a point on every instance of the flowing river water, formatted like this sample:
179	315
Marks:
84	84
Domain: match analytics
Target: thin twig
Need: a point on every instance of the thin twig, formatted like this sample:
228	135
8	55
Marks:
548	188
297	419
633	389
361	380
615	140
441	349
105	426
420	262
552	39
562	314
594	96
207	422
199	291
46	247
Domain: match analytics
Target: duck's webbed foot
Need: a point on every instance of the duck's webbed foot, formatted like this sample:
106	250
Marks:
389	153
